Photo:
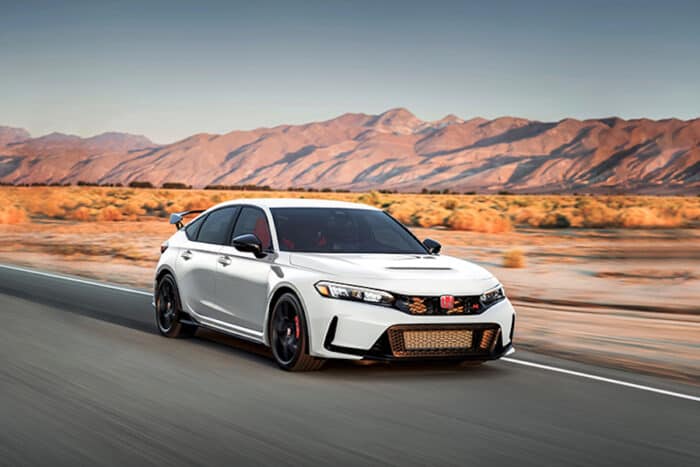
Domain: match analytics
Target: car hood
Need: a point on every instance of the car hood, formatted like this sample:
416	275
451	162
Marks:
409	274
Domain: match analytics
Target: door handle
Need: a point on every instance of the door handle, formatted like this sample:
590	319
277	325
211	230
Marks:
186	255
224	260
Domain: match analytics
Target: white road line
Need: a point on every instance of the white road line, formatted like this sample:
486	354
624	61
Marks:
77	280
601	378
506	359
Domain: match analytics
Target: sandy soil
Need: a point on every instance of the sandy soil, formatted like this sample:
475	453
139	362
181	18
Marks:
624	299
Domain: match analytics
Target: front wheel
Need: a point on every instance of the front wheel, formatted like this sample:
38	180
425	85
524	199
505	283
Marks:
288	336
168	310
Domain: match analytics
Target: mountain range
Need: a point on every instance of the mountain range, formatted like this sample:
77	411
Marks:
394	150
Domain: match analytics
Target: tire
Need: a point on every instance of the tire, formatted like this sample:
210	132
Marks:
168	311
289	338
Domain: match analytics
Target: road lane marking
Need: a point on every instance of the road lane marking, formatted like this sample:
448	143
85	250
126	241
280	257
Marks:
77	280
506	359
601	378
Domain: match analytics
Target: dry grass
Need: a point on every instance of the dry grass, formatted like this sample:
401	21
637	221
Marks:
12	215
478	213
514	259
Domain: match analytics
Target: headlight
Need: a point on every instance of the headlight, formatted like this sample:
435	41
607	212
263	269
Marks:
492	296
351	292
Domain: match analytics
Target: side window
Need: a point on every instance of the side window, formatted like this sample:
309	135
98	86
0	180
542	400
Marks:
216	226
192	229
253	221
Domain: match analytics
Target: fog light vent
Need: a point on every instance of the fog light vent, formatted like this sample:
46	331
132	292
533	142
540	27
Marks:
488	339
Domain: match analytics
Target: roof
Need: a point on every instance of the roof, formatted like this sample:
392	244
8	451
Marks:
297	203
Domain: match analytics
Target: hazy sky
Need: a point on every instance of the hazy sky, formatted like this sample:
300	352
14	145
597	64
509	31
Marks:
170	69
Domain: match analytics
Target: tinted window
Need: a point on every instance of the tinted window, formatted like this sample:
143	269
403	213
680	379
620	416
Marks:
253	221
217	226
331	230
192	228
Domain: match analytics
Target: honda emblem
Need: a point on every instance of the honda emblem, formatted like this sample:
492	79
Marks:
447	302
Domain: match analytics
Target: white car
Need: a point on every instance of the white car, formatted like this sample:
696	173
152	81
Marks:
316	280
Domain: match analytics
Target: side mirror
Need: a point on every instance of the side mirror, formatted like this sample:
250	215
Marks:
250	244
432	246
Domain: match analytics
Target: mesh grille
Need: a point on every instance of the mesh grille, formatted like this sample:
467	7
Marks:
442	340
421	340
417	305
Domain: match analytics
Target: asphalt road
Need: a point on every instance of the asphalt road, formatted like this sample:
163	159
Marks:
86	380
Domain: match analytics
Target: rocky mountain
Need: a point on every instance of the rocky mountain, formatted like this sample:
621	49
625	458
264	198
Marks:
394	150
9	135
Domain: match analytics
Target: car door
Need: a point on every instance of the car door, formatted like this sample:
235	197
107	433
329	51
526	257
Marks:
243	280
197	264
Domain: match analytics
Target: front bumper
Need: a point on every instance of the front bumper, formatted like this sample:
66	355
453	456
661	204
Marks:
352	330
484	342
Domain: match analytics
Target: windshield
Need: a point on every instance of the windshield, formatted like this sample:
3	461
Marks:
342	230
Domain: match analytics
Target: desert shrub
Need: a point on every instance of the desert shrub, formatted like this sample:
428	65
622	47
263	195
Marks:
81	214
372	198
478	221
514	259
431	217
641	217
110	214
51	207
529	216
450	204
13	215
152	205
201	202
597	214
402	212
555	220
133	208
690	213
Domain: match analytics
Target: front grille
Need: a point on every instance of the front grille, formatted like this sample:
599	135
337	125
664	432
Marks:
443	340
419	305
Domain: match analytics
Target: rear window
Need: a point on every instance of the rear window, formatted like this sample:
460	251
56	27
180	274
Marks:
217	226
193	227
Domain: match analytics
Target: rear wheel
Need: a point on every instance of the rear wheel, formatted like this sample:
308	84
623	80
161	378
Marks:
288	336
168	310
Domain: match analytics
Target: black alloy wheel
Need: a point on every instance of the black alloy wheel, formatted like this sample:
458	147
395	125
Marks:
168	311
288	336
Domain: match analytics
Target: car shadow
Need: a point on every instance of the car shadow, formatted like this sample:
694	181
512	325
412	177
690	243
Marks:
353	369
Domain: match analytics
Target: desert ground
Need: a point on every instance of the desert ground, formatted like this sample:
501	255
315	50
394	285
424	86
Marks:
609	280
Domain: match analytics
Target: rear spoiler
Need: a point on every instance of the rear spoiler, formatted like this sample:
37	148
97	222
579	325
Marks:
177	217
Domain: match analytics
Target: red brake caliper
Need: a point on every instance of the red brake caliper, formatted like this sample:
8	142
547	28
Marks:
297	329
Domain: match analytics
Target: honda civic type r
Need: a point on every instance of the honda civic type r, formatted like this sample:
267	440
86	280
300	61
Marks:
316	280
